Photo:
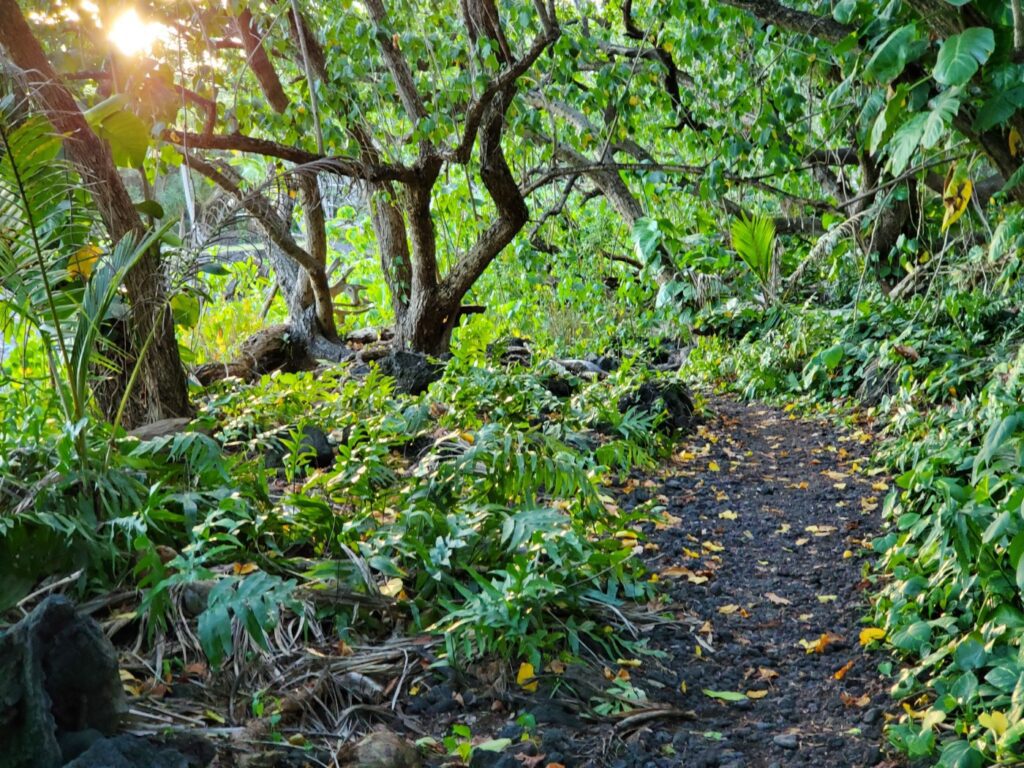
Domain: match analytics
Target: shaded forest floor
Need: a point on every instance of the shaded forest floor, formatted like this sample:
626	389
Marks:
762	556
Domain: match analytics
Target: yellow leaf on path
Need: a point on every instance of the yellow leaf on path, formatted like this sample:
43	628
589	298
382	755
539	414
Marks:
728	609
800	542
869	634
841	672
713	466
995	721
777	600
839	486
710	546
721	496
955	200
879	486
821	530
691	554
827	598
628	662
728	515
677	571
756	694
854	701
526	677
847	555
821	644
764	673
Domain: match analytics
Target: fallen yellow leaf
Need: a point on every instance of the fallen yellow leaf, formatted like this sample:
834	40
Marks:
841	672
756	694
713	466
526	678
728	515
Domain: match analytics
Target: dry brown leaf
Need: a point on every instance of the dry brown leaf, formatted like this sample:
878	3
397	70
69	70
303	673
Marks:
854	701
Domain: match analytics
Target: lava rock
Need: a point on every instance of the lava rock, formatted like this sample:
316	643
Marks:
412	372
785	740
129	752
58	675
559	386
380	749
668	397
512	351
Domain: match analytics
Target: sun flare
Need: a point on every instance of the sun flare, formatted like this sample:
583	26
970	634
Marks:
131	35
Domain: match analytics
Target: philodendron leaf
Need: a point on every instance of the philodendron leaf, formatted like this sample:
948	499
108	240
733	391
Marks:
961	55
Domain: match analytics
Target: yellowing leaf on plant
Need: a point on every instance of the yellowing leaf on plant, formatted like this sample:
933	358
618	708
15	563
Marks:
1016	142
392	588
869	635
526	678
995	721
955	200
83	261
932	718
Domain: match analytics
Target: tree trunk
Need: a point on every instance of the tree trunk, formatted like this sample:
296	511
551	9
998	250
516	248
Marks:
161	391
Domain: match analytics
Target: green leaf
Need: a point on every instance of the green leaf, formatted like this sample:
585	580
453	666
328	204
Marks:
960	754
944	109
905	142
961	55
150	208
122	129
891	56
726	695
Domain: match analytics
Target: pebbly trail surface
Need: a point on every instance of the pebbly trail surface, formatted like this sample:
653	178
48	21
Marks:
764	555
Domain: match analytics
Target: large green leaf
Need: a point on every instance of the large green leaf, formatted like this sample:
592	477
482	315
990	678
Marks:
961	55
891	57
122	129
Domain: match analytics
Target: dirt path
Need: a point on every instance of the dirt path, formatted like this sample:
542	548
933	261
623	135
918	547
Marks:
765	555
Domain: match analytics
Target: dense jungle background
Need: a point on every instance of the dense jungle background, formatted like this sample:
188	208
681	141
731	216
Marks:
512	382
